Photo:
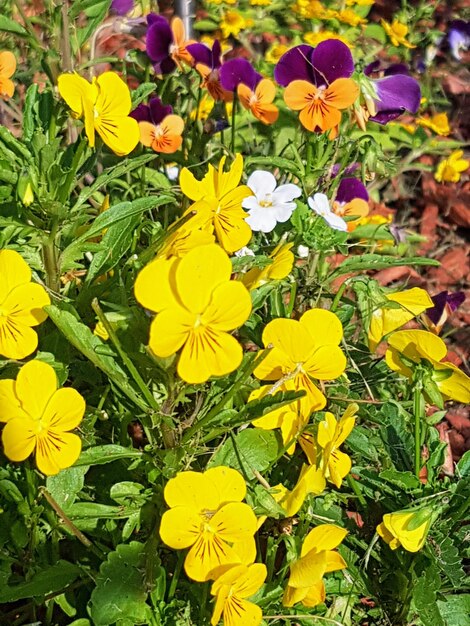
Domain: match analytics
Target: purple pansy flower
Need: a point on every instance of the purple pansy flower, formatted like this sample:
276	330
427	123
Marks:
350	189
445	304
208	62
396	92
205	55
154	113
322	65
237	71
122	7
158	41
458	37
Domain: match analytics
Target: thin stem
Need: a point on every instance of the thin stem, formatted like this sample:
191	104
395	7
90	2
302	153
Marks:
418	412
64	194
338	296
357	490
176	575
234	114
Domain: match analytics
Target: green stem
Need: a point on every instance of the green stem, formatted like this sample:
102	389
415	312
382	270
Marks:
234	113
338	296
418	412
309	156
176	575
50	258
357	490
65	192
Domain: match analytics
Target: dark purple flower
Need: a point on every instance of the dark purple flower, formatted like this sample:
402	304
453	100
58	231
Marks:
395	95
122	7
237	71
158	41
350	169
154	113
458	37
330	60
395	68
350	189
204	55
444	305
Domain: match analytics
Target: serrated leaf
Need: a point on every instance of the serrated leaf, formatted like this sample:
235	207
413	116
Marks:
280	162
463	466
455	609
120	590
100	455
28	113
142	92
48	580
449	559
404	480
378	262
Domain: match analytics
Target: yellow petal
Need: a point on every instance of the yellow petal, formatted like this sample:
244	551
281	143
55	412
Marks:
19	438
308	570
339	465
245	550
56	451
293	595
326	430
241	613
416	343
114	97
323	326
229	306
159	272
334	561
411	540
35	385
65	410
227	483
191	187
206	555
457	386
326	363
316	595
226	181
7	64
25	304
291	338
234	522
324	537
193	489
180	527
387	536
14	271
198	273
16	340
169	331
75	90
121	134
10	406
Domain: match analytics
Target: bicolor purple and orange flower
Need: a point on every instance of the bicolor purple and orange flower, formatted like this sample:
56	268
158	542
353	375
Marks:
166	44
352	200
159	128
208	63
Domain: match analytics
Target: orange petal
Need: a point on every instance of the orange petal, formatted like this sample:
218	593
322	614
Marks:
244	94
172	125
298	94
7	64
7	88
147	133
266	113
177	28
342	93
319	115
265	91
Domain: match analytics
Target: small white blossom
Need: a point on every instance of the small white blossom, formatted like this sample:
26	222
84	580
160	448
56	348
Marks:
270	204
302	251
245	251
319	203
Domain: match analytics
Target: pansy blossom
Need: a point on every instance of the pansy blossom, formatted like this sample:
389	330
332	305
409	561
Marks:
7	69
445	304
208	63
231	588
166	44
352	200
282	261
407	528
321	206
159	128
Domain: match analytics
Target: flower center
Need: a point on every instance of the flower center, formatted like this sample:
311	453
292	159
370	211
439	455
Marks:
319	94
339	208
267	201
207	515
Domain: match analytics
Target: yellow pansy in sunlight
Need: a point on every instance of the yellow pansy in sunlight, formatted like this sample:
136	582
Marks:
449	169
438	123
207	515
231	589
197	305
104	105
7	69
218	200
405	305
21	306
408	528
331	434
397	33
39	417
281	267
191	234
420	346
317	557
311	481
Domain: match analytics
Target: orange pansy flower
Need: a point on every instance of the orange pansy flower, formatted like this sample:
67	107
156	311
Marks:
164	137
259	101
7	69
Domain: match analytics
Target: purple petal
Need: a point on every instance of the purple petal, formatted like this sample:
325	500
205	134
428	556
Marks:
237	71
444	300
158	110
295	64
372	67
153	18
158	41
216	54
141	113
397	68
350	169
165	67
351	188
332	59
121	7
200	53
458	37
454	300
396	94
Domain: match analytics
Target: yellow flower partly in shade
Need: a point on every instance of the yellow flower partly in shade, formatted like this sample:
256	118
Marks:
449	169
21	306
231	589
207	515
304	350
197	305
420	346
311	481
404	306
275	52
408	528
281	266
350	17
317	558
331	434
314	39
218	198
104	105
39	417
438	123
232	23
205	107
397	33
7	69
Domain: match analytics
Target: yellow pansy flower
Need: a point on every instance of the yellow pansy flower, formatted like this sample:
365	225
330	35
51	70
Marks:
421	345
21	306
205	107
317	557
231	589
385	319
281	266
311	481
438	123
218	198
232	23
275	52
348	16
104	105
197	306
449	169
207	515
397	33
191	234
331	434
405	528
39	417
315	38
7	69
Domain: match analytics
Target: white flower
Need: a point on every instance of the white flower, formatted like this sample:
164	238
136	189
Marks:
245	251
302	251
319	203
269	205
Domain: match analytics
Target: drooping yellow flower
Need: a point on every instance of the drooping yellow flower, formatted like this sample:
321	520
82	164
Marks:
21	307
349	16
397	33
421	346
281	266
316	559
408	528
449	169
311	481
386	319
275	52
331	434
7	69
231	589
207	515
315	38
39	417
438	123
197	306
191	234
218	197
104	105
232	23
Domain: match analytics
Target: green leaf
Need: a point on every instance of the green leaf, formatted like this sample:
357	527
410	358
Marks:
449	559
463	466
28	112
100	8
120	589
374	31
205	25
11	26
378	262
424	595
48	580
81	337
252	449
142	92
95	511
280	162
404	480
100	455
455	609
65	486
261	406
